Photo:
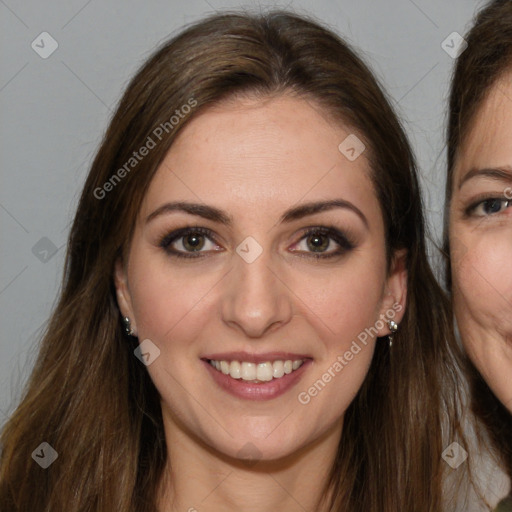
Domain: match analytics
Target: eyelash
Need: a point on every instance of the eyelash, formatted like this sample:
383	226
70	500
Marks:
470	210
333	233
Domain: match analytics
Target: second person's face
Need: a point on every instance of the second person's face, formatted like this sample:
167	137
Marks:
481	241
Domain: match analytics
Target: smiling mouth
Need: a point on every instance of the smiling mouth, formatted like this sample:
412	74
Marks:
256	373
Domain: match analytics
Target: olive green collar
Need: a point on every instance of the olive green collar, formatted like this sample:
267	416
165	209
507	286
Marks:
504	505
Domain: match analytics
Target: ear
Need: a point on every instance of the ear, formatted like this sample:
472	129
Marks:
124	300
395	293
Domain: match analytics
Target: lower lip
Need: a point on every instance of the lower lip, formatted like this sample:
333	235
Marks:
263	391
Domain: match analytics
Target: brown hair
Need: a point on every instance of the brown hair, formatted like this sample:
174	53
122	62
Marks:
487	58
92	400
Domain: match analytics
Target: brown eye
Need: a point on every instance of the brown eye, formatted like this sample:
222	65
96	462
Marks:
318	243
193	242
323	242
189	242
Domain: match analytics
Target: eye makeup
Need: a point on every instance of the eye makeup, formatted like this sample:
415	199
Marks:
194	238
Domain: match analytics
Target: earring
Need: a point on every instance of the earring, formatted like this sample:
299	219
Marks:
128	326
393	327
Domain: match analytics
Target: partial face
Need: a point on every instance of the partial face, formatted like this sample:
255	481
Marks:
257	263
481	241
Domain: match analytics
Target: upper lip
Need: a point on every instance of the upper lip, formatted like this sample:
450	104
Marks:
255	358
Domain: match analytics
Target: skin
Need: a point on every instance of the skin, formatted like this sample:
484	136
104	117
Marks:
254	159
481	241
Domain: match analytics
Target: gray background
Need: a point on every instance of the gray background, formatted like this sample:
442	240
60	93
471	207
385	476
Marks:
54	111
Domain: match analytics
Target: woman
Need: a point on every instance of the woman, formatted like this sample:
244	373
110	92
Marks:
479	196
248	238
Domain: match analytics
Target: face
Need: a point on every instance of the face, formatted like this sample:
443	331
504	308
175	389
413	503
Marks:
481	241
257	263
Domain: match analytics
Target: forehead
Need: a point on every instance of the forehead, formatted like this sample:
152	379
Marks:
488	141
274	151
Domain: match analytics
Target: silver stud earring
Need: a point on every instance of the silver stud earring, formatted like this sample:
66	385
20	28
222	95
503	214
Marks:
128	326
393	327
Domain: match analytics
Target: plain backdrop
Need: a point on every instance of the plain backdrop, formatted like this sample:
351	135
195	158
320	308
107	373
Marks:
54	111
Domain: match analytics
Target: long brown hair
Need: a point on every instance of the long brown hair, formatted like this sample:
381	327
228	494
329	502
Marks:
92	400
487	58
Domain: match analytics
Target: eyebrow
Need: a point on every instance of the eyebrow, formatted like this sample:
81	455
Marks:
498	173
214	214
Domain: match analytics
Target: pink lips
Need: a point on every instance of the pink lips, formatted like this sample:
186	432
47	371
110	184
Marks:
256	391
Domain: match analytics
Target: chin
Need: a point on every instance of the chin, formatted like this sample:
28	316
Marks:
250	452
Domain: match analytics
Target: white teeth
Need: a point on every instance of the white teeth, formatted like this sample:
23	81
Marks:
261	372
224	367
248	371
264	371
278	369
235	370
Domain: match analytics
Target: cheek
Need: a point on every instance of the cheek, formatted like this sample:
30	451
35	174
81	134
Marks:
346	300
344	312
482	278
166	301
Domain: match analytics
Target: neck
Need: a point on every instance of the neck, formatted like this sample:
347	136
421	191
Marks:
197	478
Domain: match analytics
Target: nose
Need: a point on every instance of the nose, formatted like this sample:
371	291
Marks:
255	300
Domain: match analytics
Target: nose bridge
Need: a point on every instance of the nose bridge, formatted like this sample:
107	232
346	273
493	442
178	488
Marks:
255	298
